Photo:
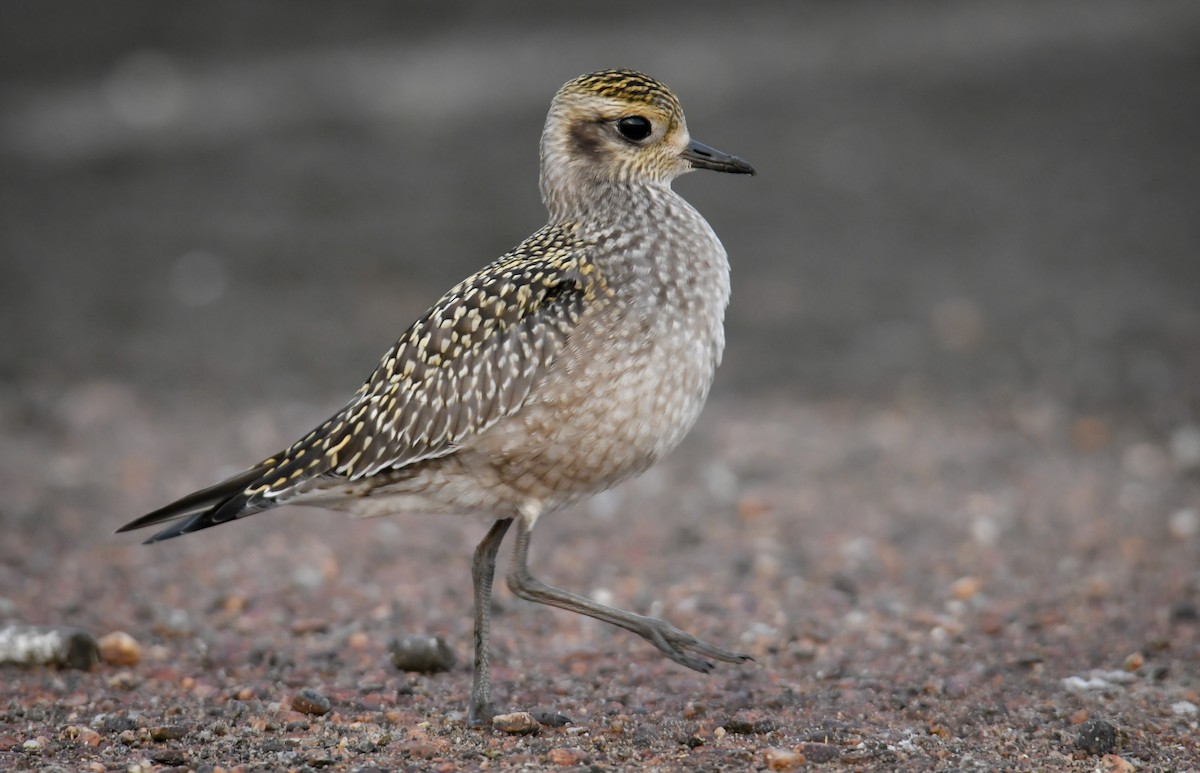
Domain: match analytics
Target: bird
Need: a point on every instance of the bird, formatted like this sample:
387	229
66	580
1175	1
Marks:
569	364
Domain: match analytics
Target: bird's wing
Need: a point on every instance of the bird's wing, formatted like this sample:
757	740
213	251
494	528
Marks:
468	362
471	360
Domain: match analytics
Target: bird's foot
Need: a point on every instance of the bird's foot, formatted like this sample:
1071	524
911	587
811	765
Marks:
480	713
685	649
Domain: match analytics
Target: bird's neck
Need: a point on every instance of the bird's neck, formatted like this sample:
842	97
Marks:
600	201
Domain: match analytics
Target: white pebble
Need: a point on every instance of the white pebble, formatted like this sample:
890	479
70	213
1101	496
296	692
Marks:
1184	707
1098	679
1184	524
985	530
308	577
1079	684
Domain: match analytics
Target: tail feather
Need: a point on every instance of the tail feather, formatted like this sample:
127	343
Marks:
201	509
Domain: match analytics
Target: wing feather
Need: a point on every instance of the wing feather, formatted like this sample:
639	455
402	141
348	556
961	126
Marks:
470	361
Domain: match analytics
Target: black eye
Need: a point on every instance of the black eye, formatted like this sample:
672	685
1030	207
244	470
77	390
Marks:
634	128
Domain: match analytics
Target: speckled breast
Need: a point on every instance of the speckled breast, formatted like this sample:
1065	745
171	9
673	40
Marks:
631	380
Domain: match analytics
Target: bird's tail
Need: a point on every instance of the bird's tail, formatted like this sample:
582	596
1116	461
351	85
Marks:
226	501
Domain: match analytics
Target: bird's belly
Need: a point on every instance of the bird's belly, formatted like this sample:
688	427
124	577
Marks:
601	416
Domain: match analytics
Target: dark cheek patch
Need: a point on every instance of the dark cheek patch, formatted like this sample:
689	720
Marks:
586	138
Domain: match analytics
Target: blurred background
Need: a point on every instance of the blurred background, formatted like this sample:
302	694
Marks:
956	434
215	216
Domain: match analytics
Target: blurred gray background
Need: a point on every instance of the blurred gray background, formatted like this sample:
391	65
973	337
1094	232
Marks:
213	208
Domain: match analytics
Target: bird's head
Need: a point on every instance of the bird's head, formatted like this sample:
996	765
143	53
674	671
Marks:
619	127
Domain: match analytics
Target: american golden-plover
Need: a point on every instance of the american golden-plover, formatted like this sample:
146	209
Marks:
573	362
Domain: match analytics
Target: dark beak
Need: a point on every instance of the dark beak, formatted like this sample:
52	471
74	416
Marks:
704	157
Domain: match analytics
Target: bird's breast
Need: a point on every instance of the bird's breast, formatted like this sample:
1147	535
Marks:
632	377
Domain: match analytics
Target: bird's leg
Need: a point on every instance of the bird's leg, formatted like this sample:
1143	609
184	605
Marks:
679	646
483	568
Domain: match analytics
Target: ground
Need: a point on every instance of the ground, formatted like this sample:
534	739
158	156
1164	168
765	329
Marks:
946	491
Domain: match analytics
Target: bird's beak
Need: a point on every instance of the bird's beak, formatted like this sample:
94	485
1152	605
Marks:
703	157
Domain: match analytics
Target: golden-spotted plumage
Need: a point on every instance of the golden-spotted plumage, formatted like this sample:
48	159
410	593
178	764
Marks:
567	365
465	364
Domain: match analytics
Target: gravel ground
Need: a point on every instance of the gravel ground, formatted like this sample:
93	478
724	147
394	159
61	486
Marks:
947	491
938	591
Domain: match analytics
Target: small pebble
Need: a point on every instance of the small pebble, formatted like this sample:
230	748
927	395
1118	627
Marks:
119	649
743	726
1096	736
309	625
566	756
1185	612
1184	708
1184	524
82	734
123	680
29	645
1134	661
1111	763
751	508
516	723
816	751
1097	680
174	757
965	588
782	759
168	732
551	718
738	726
422	654
309	701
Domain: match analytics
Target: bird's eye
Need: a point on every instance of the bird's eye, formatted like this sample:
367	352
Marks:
634	128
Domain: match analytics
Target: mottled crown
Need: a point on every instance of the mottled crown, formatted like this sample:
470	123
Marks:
626	85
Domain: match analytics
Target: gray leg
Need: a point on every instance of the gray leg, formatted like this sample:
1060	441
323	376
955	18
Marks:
483	567
679	646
